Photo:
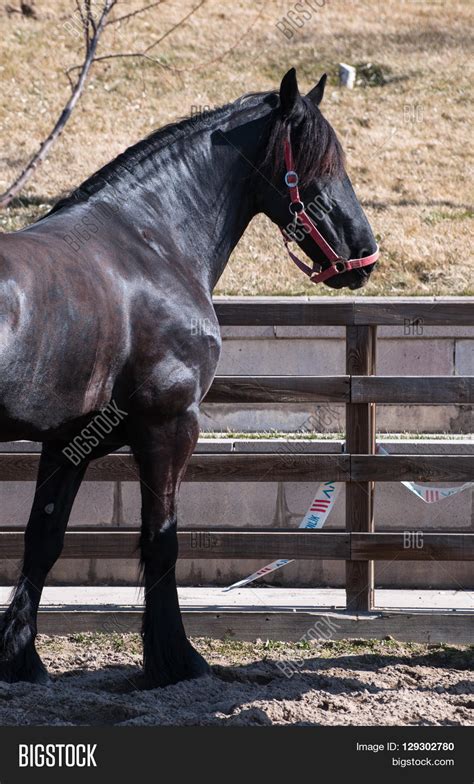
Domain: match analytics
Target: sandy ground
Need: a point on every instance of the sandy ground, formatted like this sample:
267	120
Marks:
94	682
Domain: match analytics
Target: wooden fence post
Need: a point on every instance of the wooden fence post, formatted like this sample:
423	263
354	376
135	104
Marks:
360	439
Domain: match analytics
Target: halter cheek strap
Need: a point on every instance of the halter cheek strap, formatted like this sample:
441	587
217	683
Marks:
297	209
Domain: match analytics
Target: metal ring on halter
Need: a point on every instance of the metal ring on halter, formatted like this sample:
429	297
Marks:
295	207
296	179
339	265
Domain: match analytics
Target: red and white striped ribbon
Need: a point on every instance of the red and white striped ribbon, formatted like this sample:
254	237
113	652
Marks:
323	504
430	495
317	514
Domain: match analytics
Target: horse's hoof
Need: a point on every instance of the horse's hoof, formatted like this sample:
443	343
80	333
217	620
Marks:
184	667
9	675
30	669
199	667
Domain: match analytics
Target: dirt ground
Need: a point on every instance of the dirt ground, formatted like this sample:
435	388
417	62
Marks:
406	134
95	676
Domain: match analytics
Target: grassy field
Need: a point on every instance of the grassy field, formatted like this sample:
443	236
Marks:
407	140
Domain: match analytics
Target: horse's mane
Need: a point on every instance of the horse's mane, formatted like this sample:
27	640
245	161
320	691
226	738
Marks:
316	147
152	143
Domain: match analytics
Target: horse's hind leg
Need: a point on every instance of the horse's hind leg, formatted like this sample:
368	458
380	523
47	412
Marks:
162	452
57	484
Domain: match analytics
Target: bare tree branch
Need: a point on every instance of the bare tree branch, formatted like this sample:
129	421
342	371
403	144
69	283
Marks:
144	53
93	27
125	17
40	155
79	10
199	67
173	28
90	17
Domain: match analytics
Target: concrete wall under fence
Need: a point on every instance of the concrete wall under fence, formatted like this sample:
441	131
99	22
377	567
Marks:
404	350
257	505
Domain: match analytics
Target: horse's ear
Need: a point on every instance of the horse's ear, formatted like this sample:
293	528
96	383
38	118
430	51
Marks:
290	98
316	94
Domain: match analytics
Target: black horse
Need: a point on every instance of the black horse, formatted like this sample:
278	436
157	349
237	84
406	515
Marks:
100	300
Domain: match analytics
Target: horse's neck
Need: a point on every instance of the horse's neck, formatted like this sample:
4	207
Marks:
198	194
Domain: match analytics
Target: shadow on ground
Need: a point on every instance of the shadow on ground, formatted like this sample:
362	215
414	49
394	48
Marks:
371	689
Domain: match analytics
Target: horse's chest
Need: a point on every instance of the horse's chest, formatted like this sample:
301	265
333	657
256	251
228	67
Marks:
172	379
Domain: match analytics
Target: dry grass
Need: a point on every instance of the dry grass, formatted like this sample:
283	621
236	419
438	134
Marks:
407	142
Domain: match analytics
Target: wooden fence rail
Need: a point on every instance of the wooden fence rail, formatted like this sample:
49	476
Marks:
280	466
431	390
320	311
360	390
209	542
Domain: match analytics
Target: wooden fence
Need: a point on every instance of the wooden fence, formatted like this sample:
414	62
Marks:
359	544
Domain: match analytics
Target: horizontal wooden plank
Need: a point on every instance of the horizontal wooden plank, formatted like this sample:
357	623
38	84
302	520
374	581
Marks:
301	311
283	311
412	546
279	389
269	544
80	544
423	627
427	390
284	465
280	466
203	543
414	314
421	468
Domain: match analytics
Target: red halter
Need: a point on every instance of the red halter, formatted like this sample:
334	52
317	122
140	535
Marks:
297	209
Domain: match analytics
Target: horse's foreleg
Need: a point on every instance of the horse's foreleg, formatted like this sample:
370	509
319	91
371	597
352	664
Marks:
57	484
162	452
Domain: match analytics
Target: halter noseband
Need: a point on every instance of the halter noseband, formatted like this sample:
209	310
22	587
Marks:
297	209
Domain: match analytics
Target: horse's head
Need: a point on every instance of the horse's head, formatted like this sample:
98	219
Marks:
302	137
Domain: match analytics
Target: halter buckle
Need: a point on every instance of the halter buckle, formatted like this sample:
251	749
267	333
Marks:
339	265
296	207
293	175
